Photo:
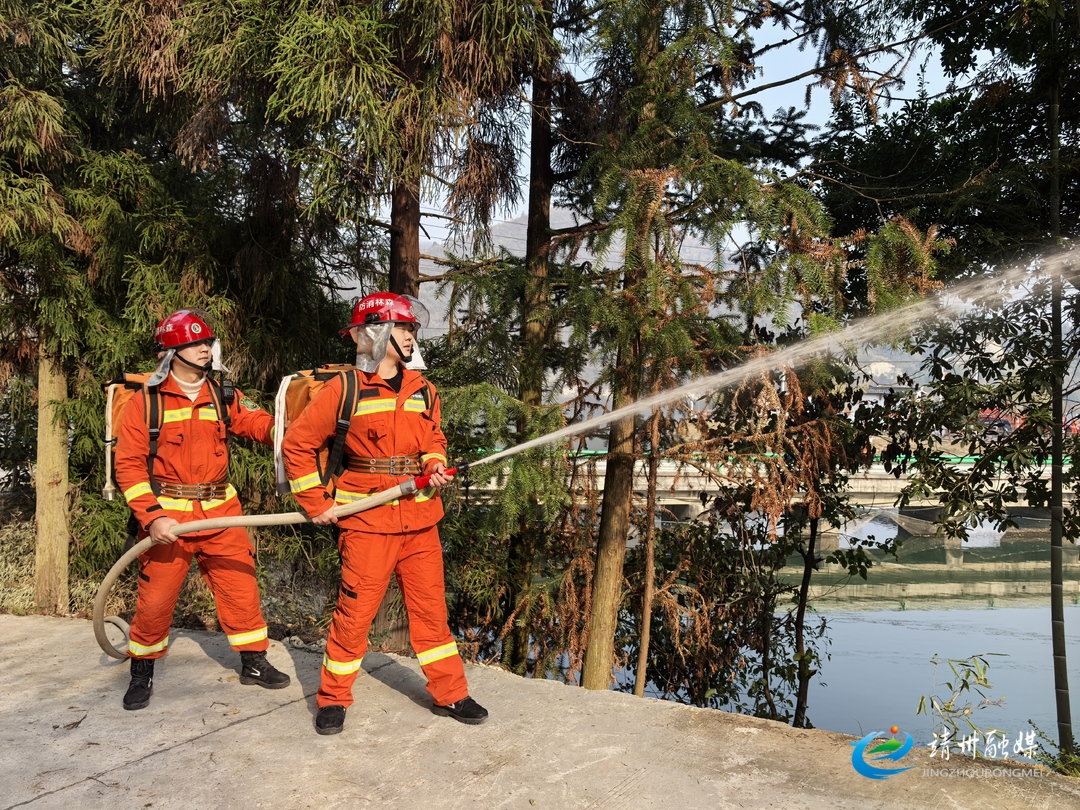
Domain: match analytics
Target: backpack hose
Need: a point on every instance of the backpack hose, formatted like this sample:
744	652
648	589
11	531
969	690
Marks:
280	407
109	492
406	488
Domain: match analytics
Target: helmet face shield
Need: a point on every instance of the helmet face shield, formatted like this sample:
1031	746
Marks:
420	315
371	342
373	319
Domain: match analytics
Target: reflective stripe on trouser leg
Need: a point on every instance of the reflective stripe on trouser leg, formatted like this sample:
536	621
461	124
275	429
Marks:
231	577
420	574
162	571
367	560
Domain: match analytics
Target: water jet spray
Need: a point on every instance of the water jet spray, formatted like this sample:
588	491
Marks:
795	355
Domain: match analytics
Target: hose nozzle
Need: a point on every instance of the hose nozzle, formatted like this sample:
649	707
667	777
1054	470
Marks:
460	468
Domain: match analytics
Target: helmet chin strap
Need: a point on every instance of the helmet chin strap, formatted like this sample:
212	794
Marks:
401	354
162	370
205	369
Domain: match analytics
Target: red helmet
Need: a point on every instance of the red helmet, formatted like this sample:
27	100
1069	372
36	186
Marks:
387	308
182	328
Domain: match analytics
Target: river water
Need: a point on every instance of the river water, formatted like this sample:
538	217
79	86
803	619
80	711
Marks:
993	599
881	666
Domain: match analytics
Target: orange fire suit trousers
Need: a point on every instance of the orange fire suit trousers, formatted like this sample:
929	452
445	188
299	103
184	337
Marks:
229	571
367	560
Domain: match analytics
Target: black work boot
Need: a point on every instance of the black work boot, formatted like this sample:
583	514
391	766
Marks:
256	670
330	720
142	684
465	710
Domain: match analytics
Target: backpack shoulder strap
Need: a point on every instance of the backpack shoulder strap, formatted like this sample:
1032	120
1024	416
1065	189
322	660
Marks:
346	409
154	413
429	398
223	394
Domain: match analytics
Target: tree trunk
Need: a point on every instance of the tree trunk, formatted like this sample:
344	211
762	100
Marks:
805	673
768	609
537	239
405	238
619	476
51	484
390	628
1057	452
1057	602
641	674
404	280
611	545
524	542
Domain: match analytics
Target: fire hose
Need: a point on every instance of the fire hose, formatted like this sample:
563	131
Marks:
405	489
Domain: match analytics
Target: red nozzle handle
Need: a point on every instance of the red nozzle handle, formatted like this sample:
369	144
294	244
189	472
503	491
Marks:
422	481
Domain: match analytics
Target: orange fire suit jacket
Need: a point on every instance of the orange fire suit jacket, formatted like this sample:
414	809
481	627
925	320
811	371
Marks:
384	424
191	450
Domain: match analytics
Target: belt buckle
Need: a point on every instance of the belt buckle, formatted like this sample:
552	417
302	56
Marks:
399	465
207	491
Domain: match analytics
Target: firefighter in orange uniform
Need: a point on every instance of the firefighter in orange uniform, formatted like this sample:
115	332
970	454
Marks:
179	477
393	434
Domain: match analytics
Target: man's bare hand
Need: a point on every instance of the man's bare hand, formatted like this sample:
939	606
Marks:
161	531
438	478
327	518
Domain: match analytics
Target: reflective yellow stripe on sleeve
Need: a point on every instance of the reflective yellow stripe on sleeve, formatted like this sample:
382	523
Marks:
341	667
437	654
424	459
305	482
239	639
141	488
139	649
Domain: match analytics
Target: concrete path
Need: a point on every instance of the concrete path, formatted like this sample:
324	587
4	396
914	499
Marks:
206	742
